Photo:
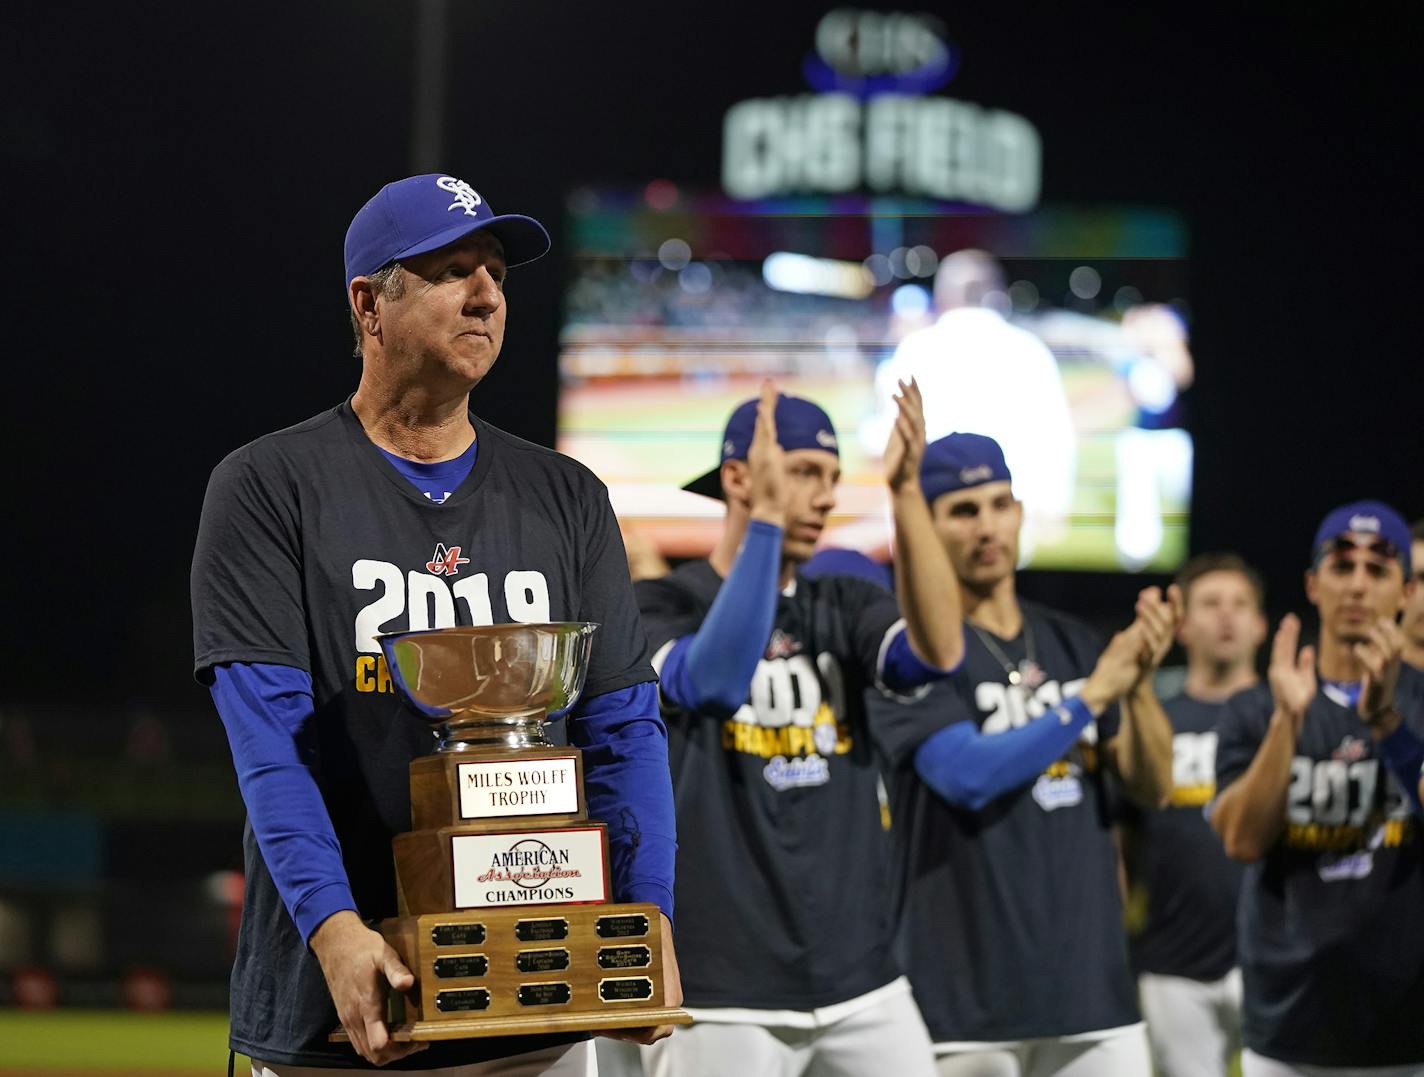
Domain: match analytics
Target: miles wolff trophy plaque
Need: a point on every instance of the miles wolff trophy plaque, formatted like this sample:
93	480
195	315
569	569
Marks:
504	911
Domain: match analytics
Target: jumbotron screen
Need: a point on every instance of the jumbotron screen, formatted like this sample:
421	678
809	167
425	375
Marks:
1062	333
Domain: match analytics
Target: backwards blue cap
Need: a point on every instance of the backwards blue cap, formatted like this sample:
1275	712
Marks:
1364	518
959	461
423	213
800	424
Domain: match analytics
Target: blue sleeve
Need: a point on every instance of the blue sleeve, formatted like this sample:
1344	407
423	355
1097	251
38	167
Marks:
712	669
628	786
263	708
901	668
1403	754
970	768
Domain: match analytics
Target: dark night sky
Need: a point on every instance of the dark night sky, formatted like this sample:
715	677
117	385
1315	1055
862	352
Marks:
179	179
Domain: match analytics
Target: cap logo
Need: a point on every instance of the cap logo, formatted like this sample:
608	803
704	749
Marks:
970	475
1365	523
728	447
465	195
825	439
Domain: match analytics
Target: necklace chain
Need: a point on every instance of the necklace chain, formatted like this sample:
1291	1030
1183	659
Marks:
1014	671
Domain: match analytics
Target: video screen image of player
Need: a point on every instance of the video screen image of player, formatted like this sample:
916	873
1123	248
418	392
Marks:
1063	334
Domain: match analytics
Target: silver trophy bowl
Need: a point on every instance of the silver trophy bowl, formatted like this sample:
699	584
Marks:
490	685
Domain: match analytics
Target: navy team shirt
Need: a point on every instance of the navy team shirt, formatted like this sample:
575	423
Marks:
1331	920
310	544
782	856
1009	918
1191	884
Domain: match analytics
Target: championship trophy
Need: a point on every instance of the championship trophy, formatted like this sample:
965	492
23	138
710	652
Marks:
503	881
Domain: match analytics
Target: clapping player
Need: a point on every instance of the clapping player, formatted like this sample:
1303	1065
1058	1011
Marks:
1185	954
1010	915
783	930
1315	773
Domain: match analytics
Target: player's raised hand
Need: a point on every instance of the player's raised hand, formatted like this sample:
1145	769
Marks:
358	965
1380	657
1291	675
1160	618
766	462
906	448
1118	668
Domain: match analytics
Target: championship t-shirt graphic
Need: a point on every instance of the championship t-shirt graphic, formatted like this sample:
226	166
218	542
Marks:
1331	948
782	857
1009	918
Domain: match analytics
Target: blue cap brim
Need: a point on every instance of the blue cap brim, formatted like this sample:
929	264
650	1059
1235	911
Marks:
524	238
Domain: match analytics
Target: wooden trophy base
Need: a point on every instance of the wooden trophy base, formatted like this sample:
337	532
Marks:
494	827
476	1027
529	970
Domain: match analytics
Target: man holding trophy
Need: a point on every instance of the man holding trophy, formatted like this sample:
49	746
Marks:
399	510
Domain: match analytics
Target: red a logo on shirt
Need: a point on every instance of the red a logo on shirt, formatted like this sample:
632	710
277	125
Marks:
447	561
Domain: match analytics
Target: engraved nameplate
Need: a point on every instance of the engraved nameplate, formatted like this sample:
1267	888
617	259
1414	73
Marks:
452	968
470	998
624	957
510	787
529	867
626	989
542	930
542	960
457	934
555	994
627	926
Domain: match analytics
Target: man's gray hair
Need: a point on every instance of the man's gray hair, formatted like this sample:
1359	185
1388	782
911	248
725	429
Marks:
388	281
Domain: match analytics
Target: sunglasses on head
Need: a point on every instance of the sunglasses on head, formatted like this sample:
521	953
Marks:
1343	544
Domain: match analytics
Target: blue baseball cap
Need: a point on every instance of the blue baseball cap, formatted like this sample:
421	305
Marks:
837	561
959	461
800	424
1391	533
424	213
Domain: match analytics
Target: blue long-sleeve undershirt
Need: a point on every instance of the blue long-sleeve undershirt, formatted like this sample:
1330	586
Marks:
265	708
1403	754
711	670
901	668
628	785
969	768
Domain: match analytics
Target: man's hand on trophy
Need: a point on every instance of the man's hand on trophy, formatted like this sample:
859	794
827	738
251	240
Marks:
672	994
358	964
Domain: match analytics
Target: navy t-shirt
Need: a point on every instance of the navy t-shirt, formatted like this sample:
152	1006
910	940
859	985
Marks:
782	856
1190	883
1010	918
310	544
1331	920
